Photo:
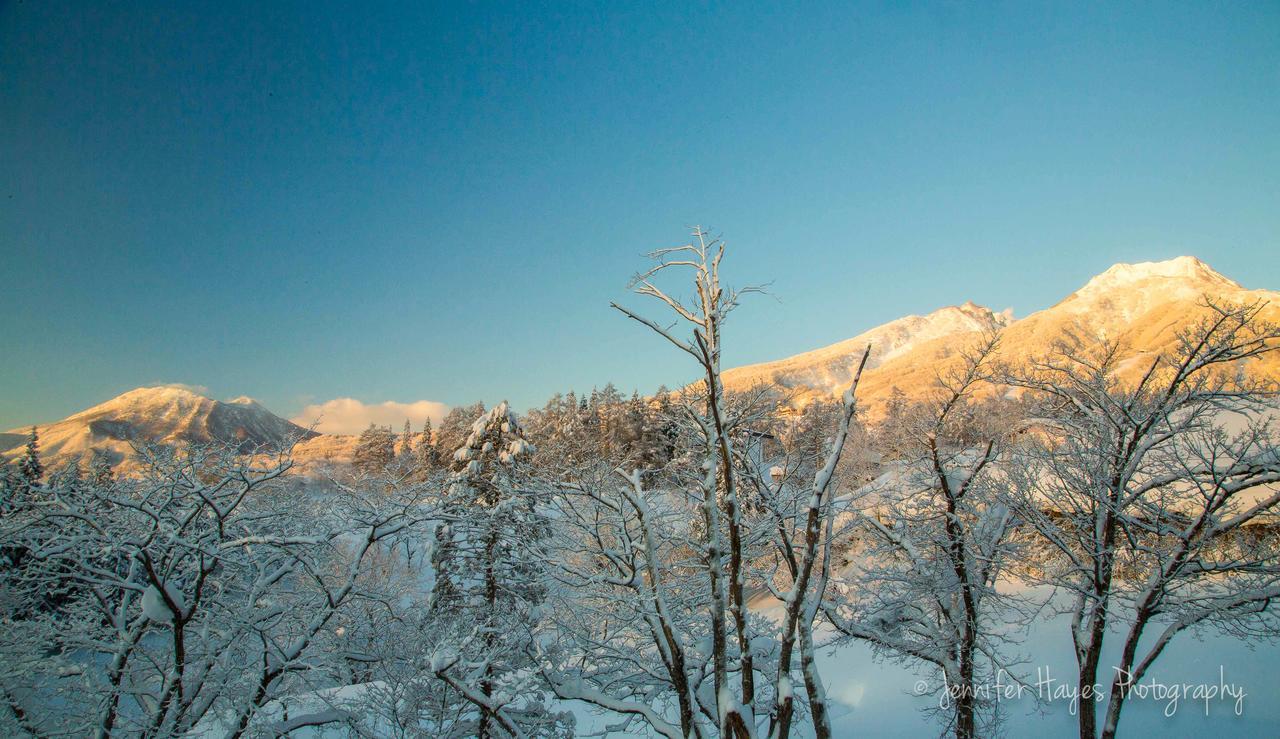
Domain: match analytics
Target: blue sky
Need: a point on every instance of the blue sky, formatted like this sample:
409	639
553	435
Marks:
304	201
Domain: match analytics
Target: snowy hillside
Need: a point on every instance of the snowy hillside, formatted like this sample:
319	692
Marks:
166	415
827	369
1140	304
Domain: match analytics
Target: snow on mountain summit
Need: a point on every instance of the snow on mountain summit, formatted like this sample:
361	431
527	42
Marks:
168	415
1185	268
145	400
827	369
1142	303
1126	291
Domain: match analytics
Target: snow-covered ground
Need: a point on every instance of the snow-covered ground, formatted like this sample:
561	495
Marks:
872	697
875	698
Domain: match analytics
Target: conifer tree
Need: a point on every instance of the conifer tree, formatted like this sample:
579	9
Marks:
406	441
665	430
8	489
455	427
427	453
376	450
489	580
30	469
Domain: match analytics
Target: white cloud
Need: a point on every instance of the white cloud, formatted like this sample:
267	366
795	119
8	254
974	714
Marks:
351	416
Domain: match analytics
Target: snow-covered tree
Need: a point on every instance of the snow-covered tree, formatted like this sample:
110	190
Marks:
30	468
101	473
791	499
1148	492
8	486
375	450
489	581
659	632
406	442
455	427
934	536
427	453
633	636
192	597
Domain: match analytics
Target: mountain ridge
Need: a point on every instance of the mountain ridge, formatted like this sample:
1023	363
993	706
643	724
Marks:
826	367
1143	304
162	414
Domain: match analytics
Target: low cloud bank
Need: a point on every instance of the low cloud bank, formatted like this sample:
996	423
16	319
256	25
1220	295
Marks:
351	416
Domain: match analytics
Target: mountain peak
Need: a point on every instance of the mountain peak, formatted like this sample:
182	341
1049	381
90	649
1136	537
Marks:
1125	291
1143	303
980	313
166	414
1183	269
141	399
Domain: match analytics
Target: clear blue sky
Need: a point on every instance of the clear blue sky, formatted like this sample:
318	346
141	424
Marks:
301	201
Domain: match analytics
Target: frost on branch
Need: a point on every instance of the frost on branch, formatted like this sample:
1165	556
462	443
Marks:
186	597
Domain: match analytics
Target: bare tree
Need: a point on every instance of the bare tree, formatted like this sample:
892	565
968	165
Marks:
633	636
191	597
687	582
1156	496
934	537
711	307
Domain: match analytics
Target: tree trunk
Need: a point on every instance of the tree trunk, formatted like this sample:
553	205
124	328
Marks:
1115	701
491	600
813	686
1088	674
966	702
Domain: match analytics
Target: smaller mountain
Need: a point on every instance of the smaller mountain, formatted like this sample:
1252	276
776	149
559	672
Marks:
165	415
825	371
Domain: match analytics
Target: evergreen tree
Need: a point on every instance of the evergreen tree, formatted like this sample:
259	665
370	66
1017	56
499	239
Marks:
665	429
427	453
455	427
630	431
406	442
9	483
488	563
376	450
30	468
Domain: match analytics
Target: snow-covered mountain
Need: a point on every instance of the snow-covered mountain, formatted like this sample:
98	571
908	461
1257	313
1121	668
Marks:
826	370
1126	291
167	415
1142	305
